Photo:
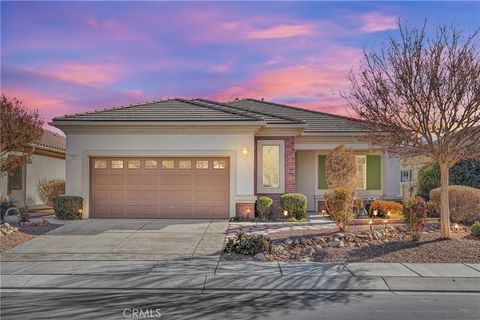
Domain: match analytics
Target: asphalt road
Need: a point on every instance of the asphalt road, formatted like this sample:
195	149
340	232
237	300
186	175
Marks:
71	304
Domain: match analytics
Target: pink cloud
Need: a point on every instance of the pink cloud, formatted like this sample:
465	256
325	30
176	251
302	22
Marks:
375	21
84	73
280	31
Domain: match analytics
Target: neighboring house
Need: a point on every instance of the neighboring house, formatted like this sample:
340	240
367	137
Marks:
204	159
409	169
48	160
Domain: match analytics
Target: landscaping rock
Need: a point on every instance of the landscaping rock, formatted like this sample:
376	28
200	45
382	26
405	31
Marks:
260	257
341	244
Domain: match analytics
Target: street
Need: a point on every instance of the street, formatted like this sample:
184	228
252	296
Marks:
105	304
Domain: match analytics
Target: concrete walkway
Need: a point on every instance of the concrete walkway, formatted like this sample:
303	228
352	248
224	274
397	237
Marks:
211	275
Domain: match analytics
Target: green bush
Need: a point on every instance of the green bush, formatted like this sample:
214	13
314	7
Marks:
248	244
475	229
339	203
263	207
464	173
464	203
295	204
428	179
68	207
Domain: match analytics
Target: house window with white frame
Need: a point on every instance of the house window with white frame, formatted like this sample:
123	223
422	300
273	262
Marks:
361	172
271	161
405	175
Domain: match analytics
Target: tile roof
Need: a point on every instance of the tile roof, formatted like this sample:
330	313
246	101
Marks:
316	121
270	118
51	140
176	110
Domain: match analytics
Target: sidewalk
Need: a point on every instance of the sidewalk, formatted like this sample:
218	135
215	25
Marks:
210	275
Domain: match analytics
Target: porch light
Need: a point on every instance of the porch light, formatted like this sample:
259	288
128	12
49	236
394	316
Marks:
245	151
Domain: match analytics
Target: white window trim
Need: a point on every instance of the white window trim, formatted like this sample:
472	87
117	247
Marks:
260	187
364	172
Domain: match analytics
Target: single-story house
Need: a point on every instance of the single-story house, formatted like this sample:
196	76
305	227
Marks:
47	161
205	159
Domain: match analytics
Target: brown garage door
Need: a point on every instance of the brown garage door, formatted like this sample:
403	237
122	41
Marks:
159	187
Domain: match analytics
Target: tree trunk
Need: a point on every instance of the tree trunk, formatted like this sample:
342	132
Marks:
444	207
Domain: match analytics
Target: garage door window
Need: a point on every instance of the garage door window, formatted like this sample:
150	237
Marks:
100	164
151	164
219	164
133	164
201	164
185	164
168	164
117	164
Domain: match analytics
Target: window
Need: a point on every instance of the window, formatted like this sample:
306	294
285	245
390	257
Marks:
271	166
185	164
133	164
219	164
117	164
151	164
15	179
168	164
405	175
100	164
201	164
361	172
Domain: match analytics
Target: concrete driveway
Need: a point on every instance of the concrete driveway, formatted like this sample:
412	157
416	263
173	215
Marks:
125	239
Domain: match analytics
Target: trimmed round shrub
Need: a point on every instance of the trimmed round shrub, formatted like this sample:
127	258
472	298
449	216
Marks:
68	207
295	204
464	203
383	206
248	244
264	207
339	202
463	173
475	229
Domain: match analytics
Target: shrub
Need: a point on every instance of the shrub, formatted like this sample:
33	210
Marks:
48	189
475	229
263	207
68	207
464	203
415	211
341	168
464	172
383	207
248	244
339	203
295	204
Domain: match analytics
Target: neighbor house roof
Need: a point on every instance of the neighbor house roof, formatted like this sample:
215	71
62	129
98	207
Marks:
51	140
316	121
171	110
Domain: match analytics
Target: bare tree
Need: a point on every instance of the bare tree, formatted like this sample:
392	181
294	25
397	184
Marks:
19	128
421	95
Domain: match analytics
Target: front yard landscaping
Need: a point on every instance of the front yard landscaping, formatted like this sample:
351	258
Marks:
362	244
11	236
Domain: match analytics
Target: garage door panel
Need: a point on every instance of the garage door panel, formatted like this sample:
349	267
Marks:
172	190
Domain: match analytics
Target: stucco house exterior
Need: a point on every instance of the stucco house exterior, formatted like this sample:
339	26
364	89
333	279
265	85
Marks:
48	161
205	159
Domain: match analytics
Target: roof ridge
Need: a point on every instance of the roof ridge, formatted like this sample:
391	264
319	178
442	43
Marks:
302	109
220	109
259	112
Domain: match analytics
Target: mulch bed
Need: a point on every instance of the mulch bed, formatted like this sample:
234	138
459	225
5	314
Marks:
24	234
462	248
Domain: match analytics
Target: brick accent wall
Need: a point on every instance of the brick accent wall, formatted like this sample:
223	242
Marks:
241	209
290	185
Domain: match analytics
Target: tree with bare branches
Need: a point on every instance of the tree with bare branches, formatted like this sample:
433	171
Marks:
19	129
421	96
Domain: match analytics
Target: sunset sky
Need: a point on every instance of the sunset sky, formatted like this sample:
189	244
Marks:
69	57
